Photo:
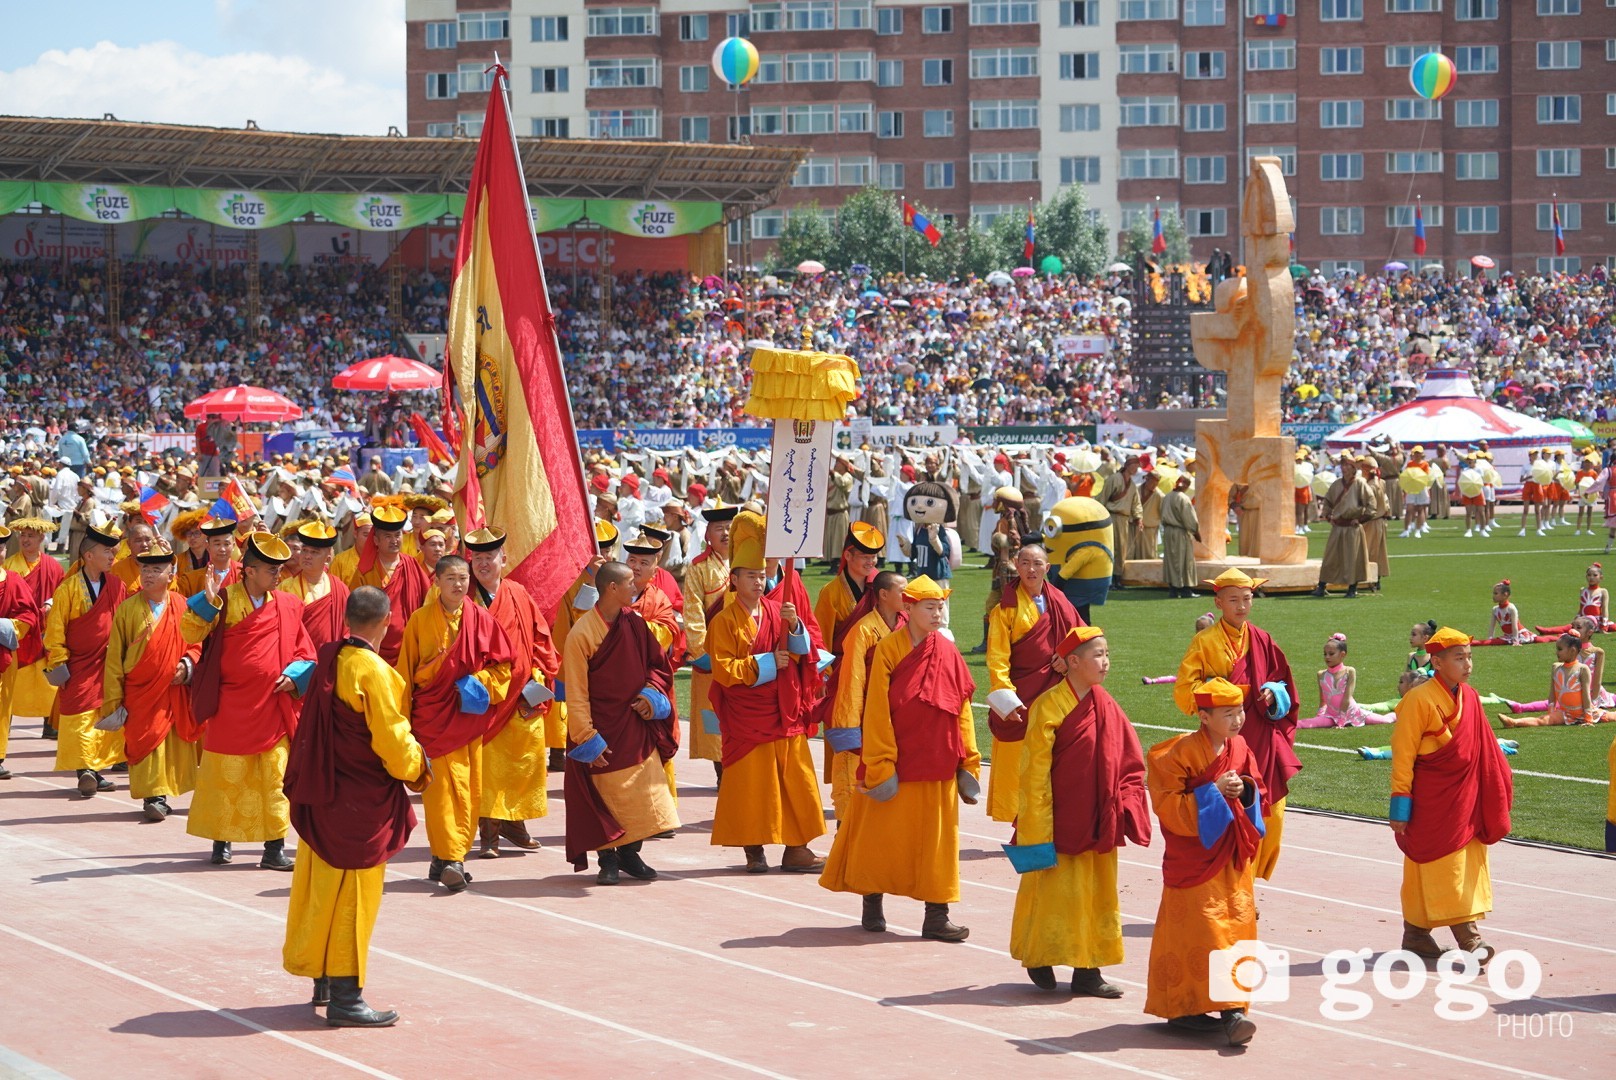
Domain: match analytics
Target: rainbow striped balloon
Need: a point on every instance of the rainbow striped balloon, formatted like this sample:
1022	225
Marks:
736	60
1432	76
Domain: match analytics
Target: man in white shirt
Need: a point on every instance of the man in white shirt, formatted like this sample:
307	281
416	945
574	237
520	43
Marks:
407	478
63	498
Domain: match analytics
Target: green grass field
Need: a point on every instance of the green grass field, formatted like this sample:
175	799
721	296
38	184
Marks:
1442	577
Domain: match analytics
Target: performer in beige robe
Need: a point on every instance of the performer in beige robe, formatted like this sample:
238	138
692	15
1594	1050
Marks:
1375	527
1181	527
1347	504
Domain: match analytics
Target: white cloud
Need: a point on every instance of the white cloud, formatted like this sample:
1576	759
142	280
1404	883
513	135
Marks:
164	82
365	37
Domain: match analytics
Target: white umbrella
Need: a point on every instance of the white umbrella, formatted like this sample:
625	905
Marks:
1119	268
999	277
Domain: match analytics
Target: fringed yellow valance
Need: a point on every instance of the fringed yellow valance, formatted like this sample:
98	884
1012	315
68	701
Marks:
792	384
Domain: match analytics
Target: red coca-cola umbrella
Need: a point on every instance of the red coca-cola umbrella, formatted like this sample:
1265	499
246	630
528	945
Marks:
250	404
388	373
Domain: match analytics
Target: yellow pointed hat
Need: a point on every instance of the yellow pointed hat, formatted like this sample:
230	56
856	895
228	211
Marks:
746	536
1234	578
1077	635
1218	692
1445	637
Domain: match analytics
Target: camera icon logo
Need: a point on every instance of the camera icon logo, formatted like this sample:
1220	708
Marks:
1248	971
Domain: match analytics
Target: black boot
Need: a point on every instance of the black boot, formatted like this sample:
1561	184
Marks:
1088	982
718	774
1238	1029
874	919
348	1009
87	784
103	784
1318	590
435	871
454	877
5	773
938	928
608	867
628	857
1352	592
48	731
275	857
322	992
557	760
155	809
221	852
1042	977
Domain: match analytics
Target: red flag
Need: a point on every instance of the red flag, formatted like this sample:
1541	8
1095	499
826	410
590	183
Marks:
436	452
506	403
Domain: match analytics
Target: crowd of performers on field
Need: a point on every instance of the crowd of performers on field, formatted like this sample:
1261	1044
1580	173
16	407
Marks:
290	684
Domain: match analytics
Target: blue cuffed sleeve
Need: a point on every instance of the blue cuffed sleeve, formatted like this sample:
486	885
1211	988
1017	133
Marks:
1025	858
300	672
1213	814
826	659
1402	807
661	708
587	752
767	668
1282	699
1251	802
709	722
200	607
560	691
702	663
798	643
8	634
586	598
474	697
844	740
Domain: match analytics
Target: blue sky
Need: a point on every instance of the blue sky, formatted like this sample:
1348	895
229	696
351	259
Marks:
299	65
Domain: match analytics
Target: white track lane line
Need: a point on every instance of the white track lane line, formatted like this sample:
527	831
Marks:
202	1006
1496	881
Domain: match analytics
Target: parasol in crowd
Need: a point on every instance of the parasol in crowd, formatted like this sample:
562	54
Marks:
1396	267
998	277
1482	262
249	404
388	373
810	266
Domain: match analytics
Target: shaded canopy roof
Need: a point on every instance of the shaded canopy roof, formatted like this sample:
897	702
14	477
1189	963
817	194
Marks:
743	178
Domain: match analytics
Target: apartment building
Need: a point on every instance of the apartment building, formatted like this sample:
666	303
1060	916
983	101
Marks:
977	107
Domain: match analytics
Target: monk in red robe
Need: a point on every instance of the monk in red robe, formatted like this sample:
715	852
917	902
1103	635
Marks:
30	694
76	633
382	563
324	597
19	618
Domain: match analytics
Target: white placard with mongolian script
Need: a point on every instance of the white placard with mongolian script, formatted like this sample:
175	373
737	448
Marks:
799	477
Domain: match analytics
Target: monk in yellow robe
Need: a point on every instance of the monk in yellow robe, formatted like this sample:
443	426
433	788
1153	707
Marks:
1207	793
457	662
579	598
76	633
1451	795
345	563
841	594
622	733
880	611
1235	649
31	695
1082	797
190	551
918	761
706	590
384	564
146	687
352	749
308	578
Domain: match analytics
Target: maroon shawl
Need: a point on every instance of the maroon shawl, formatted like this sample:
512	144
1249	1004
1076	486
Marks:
86	641
435	716
928	688
326	618
17	601
1031	656
1270	741
1097	775
1461	792
43	580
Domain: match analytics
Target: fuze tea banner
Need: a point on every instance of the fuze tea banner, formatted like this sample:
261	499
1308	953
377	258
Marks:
799	478
375	212
235	208
649	217
15	194
106	204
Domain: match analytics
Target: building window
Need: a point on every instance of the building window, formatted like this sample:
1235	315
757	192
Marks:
1341	10
1414	161
1559	55
1341	114
1559	162
740	127
470	122
548	28
1560	7
1214	222
889	175
1341	167
855	119
855	171
1475	10
1565	264
1475	112
1277	55
1470	220
1402	217
1004	168
1570	216
440	85
1085	65
1148	165
553	127
692	28
695	129
1080	118
768	224
768	120
1340	220
1271	109
810	119
1342	61
852	14
1145	10
1270	7
623	124
1204	64
1285	154
889	22
622	22
1402	56
1408	7
939	174
937	20
1003	115
1478	165
937	72
938	124
1004	63
485	26
983	215
738	24
1610	104
443	131
1413	109
1080	12
1610	213
440	35
1205	169
620	72
1003	12
889	72
1149	112
693	78
810	67
1203	12
1559	109
1610	50
771	68
889	125
1147	59
550	80
1079	170
1205	116
475	78
1610	157
854	66
815	172
1476	59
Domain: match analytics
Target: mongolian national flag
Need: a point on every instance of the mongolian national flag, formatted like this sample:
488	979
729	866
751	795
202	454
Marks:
1027	244
506	409
233	502
921	224
152	502
1419	231
344	478
1559	231
1158	241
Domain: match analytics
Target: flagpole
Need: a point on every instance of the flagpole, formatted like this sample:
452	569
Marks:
903	238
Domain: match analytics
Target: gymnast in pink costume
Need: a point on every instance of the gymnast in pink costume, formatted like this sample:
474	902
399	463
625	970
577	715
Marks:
1336	684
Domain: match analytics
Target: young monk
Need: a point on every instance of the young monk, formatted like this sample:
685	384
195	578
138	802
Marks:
918	762
1207	790
146	687
1451	794
879	612
1082	796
